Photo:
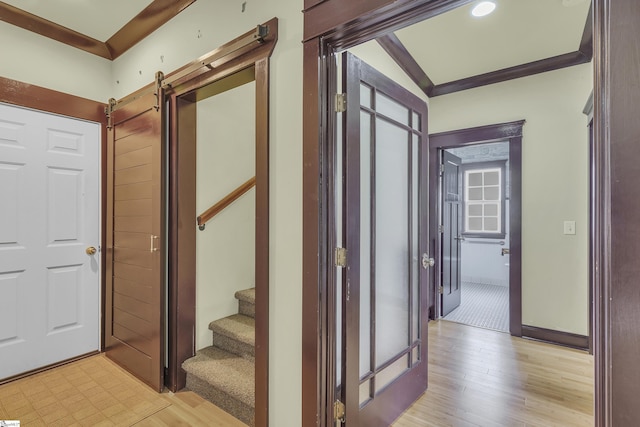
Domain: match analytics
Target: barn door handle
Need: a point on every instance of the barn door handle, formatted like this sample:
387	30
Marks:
152	243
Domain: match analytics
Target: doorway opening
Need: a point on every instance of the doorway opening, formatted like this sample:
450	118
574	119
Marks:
477	214
474	192
472	102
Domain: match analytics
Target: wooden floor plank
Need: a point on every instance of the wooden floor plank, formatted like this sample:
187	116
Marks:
479	377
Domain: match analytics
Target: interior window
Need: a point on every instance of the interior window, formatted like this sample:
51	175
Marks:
483	201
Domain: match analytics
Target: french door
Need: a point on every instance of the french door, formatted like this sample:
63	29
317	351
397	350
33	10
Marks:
383	303
135	277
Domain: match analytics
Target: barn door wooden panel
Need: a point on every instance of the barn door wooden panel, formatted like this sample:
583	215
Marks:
134	331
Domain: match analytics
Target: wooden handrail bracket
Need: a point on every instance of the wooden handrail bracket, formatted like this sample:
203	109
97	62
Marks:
224	202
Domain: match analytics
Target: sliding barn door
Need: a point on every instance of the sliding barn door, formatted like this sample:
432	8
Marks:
384	310
136	238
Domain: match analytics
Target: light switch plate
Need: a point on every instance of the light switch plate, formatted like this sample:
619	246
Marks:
569	227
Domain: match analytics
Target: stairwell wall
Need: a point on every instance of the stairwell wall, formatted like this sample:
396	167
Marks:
225	250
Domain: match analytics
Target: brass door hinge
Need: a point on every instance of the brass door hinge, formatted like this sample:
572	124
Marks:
441	290
341	102
338	412
341	257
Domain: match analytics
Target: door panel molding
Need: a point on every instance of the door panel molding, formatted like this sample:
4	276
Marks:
512	132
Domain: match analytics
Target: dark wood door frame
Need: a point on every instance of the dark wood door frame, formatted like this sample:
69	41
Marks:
329	24
182	100
511	132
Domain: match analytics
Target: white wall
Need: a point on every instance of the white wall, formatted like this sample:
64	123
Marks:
30	58
226	248
555	183
176	44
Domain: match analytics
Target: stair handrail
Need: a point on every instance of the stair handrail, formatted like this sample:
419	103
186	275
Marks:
214	210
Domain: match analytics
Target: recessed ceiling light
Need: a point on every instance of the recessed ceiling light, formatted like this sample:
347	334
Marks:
483	8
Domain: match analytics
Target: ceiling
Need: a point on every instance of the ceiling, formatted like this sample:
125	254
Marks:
438	53
456	51
105	28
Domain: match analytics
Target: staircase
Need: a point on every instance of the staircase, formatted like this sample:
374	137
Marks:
224	373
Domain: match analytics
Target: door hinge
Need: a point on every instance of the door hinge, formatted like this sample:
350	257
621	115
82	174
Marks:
341	102
441	290
441	169
341	257
441	228
338	412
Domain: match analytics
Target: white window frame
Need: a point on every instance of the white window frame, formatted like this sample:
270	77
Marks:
483	168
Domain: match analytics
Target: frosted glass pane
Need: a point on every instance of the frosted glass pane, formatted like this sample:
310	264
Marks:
392	258
475	224
492	178
475	210
391	372
365	392
392	109
415	121
365	96
475	194
415	267
475	179
491	209
338	236
365	242
491	193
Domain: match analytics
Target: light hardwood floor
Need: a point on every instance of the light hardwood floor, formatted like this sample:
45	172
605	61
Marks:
477	377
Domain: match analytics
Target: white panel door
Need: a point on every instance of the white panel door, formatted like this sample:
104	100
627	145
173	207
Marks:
49	216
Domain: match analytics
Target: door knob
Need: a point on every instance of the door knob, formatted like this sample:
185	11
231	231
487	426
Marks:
427	262
91	250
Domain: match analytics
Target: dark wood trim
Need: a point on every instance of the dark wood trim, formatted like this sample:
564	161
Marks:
472	136
150	19
586	42
399	53
566	339
315	405
262	258
27	21
603	115
158	13
516	72
225	201
182	236
51	101
182	191
487	133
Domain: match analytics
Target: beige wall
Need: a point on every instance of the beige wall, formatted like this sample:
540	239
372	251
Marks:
555	183
30	58
226	248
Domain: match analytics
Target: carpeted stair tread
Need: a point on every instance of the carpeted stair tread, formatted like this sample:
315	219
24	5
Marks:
237	326
247	295
224	371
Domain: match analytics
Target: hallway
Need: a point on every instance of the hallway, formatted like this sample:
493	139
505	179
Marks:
479	377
